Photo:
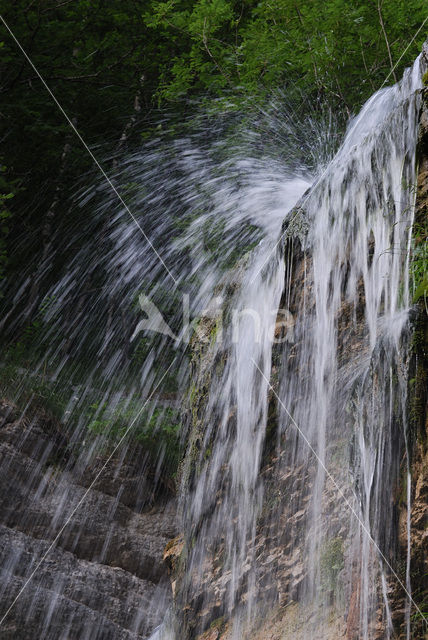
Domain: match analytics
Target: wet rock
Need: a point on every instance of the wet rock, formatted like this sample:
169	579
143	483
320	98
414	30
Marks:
88	565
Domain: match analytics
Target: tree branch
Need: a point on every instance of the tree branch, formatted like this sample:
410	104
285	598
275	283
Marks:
379	8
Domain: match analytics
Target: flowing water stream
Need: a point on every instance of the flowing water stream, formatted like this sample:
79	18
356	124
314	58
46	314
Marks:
295	404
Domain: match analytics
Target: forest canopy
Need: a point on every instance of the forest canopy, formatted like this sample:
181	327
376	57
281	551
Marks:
114	65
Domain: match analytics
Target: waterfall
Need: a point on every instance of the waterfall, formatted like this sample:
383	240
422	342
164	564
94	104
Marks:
278	285
339	385
360	216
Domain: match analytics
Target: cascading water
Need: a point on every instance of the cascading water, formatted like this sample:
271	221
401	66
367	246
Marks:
295	385
97	484
351	341
341	399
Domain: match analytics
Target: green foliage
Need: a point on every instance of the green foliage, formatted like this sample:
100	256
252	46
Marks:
339	50
27	349
421	290
102	60
419	262
106	420
6	194
99	60
28	390
157	432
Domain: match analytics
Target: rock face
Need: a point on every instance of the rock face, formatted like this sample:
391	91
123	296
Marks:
418	400
87	555
279	545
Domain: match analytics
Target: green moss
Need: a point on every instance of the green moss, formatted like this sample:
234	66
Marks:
419	261
402	499
418	378
218	623
331	563
425	79
157	432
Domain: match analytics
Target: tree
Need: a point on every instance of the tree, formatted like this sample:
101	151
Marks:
340	50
